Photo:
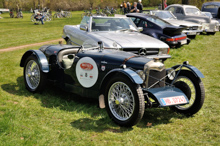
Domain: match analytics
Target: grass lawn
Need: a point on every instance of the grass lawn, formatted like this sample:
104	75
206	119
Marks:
16	32
58	118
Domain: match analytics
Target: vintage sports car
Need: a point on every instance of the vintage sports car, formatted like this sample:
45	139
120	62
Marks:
193	14
115	33
160	29
192	28
124	83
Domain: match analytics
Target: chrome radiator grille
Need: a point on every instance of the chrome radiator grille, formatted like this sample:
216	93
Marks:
155	76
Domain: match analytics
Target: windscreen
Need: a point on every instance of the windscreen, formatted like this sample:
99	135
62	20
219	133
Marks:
112	24
192	11
164	15
158	21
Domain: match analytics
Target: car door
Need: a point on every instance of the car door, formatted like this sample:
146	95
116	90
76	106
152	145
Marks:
179	13
148	28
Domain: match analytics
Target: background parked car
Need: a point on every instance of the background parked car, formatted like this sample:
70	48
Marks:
209	14
193	14
192	28
213	8
160	29
116	33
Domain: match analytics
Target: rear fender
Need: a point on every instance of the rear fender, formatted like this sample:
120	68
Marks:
44	66
194	70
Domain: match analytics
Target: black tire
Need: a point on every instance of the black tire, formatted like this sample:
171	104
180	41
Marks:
211	33
192	36
193	88
34	76
134	107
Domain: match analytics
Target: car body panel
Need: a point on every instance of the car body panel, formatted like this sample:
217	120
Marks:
166	92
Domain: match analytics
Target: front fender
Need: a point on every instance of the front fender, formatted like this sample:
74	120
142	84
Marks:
44	66
195	71
133	76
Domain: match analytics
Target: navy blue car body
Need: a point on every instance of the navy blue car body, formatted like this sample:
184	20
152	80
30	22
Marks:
123	82
160	29
213	8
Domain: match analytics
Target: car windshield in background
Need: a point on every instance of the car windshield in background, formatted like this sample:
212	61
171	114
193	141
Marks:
192	11
112	24
158	21
164	15
211	7
207	14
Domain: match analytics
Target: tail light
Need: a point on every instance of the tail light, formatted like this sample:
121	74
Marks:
175	39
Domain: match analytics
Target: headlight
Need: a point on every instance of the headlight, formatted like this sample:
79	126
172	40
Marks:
141	74
163	51
171	73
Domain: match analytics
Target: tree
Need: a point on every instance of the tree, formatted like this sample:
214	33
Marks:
185	2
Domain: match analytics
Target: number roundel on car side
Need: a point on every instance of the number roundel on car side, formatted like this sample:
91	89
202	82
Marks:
87	72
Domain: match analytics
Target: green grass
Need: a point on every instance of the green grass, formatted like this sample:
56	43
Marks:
59	118
15	32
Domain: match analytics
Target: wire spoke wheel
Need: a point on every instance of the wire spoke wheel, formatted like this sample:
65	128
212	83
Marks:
34	78
32	74
121	101
124	101
193	88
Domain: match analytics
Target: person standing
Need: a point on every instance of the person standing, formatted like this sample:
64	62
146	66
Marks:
139	6
165	4
134	8
125	7
128	7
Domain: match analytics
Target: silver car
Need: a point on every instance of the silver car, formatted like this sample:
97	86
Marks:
192	29
114	33
193	14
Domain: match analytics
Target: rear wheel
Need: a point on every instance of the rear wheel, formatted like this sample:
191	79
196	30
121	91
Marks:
34	78
124	101
192	36
193	88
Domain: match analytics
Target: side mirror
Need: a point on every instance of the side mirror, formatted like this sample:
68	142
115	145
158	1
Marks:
83	27
140	28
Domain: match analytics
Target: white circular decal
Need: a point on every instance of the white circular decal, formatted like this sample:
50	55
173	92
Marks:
87	72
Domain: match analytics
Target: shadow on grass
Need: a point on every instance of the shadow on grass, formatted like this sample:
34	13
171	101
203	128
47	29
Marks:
53	97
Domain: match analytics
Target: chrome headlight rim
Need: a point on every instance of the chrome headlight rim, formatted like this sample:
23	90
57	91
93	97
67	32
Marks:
163	51
142	74
171	73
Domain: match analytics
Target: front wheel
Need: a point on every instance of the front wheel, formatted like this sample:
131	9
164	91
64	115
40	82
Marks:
193	88
124	101
34	78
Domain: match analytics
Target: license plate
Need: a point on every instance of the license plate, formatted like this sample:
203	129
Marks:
183	42
173	100
191	33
